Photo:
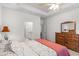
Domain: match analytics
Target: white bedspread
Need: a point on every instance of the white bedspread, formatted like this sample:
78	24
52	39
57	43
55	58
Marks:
28	48
40	49
21	49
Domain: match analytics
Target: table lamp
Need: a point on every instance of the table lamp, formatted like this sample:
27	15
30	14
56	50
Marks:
5	30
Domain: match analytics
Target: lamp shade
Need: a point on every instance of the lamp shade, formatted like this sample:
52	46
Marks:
5	29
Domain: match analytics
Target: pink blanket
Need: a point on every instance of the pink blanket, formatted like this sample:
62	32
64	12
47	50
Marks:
60	50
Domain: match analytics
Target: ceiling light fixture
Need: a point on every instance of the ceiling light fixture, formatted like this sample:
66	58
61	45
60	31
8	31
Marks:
54	6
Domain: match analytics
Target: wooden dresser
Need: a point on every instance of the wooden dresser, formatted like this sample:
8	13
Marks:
70	40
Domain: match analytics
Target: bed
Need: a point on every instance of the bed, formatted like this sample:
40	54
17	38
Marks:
27	48
60	50
31	48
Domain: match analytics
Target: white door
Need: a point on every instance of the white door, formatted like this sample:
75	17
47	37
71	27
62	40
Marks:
28	30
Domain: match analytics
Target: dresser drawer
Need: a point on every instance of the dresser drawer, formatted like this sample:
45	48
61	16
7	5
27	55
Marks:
72	47
60	38
71	44
60	41
60	35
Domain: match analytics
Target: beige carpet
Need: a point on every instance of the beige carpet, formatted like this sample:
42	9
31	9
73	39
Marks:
73	53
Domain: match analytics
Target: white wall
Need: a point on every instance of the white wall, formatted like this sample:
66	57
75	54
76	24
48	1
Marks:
0	15
54	21
15	20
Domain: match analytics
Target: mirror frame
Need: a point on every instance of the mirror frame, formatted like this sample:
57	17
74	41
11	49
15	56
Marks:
67	22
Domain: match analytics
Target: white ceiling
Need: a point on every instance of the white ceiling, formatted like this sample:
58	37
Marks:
41	6
40	9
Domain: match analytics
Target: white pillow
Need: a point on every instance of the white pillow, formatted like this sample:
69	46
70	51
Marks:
17	47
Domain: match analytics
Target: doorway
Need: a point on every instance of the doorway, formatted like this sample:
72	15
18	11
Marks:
43	28
28	30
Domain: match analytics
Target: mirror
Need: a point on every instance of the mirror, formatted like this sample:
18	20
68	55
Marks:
68	26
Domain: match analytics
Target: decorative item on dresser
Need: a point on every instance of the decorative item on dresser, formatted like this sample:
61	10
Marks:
69	38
